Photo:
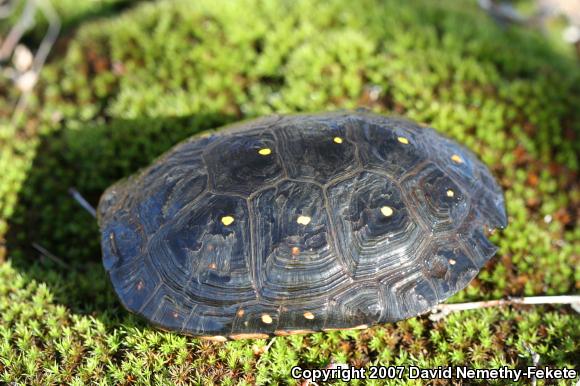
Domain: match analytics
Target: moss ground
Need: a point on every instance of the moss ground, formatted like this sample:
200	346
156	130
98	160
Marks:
127	84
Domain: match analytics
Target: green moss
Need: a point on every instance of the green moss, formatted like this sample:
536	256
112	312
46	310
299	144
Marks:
127	87
43	342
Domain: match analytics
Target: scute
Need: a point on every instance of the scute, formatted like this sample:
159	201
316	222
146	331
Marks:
298	316
439	201
237	165
124	243
380	145
371	241
449	267
257	317
455	160
200	258
405	289
310	151
290	256
301	223
356	306
136	283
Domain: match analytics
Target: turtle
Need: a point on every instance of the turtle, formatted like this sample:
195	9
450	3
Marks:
291	224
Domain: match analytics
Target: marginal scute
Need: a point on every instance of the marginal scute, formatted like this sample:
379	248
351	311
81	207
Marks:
358	305
455	160
292	332
490	201
258	317
481	249
436	266
137	283
294	224
408	297
215	338
405	289
165	310
207	319
249	336
294	316
448	278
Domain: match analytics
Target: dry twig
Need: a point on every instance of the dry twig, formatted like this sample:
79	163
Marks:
82	202
442	310
46	253
26	81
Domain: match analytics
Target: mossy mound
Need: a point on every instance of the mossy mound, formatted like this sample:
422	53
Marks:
126	87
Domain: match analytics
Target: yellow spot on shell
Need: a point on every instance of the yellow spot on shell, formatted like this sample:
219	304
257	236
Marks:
452	261
337	140
265	151
240	313
387	211
227	220
403	140
309	315
303	220
295	251
266	318
457	159
450	193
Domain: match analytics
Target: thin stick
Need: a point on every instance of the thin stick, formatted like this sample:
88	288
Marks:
535	361
442	310
45	252
82	202
50	37
266	350
24	23
7	8
41	54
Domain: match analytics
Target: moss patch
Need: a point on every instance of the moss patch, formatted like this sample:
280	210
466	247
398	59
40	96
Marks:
125	88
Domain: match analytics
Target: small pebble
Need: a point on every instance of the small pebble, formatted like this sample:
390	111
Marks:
22	58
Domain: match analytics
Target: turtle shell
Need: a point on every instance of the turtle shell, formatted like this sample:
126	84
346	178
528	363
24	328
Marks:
290	224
